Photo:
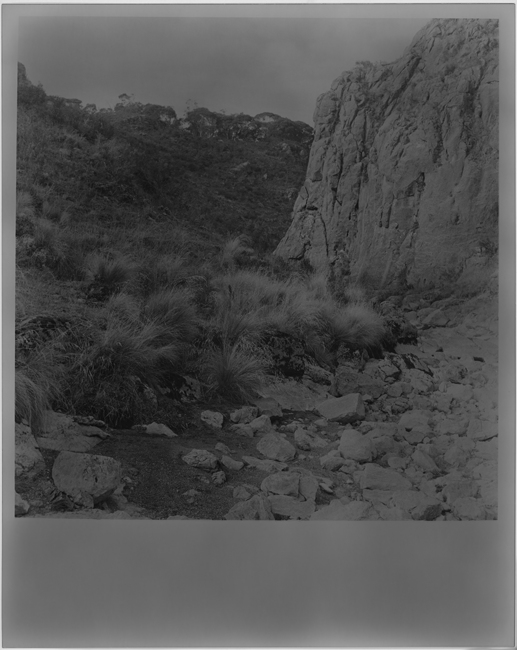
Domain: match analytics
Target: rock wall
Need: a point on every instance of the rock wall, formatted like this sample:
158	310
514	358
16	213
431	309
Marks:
402	179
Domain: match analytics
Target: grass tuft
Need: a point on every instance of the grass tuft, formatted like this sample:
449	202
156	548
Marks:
233	374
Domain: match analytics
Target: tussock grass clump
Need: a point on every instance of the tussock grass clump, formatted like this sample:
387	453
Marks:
235	251
174	311
110	275
232	373
38	382
161	272
31	401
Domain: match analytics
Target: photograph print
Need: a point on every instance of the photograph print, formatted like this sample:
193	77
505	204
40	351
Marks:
257	268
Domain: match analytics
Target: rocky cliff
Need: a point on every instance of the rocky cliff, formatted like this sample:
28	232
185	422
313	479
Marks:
402	180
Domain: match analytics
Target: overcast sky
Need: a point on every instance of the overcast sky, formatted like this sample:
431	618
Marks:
278	60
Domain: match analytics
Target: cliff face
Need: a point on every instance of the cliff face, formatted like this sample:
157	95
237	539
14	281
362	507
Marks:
402	179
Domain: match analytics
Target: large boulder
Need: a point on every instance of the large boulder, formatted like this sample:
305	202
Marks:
76	473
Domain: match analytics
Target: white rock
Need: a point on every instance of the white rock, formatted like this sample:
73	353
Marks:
213	419
160	430
349	408
201	458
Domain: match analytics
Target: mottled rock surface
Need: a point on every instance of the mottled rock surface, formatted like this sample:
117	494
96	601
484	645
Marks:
402	180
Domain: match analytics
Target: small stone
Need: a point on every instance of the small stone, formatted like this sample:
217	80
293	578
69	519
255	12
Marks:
338	511
261	425
481	429
220	446
275	447
218	478
286	483
201	458
355	446
241	493
264	465
376	477
160	430
424	461
349	408
257	507
244	415
213	419
332	461
243	430
232	464
286	506
435	318
468	508
21	507
308	487
460	392
268	406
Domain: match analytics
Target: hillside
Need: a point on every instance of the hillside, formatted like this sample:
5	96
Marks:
226	175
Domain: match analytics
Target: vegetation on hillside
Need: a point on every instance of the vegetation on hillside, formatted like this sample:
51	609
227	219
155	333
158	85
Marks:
143	258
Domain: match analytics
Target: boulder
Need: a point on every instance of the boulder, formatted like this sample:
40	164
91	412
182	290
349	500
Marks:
21	507
213	419
244	415
160	430
287	506
29	462
61	433
232	464
355	446
349	408
286	483
74	472
274	447
201	458
256	507
264	465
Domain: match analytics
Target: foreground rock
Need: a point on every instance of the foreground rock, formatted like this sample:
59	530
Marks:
29	462
76	473
61	433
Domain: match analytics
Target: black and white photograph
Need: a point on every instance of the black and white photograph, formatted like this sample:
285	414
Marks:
287	311
257	270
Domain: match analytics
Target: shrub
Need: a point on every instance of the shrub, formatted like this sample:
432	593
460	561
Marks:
232	373
111	376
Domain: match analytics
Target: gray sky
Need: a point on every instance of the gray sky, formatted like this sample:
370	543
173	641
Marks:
277	60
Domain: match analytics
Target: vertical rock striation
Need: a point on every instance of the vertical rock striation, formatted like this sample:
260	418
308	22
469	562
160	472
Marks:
402	180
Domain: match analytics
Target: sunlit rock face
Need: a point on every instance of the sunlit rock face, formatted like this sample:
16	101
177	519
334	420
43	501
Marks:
402	180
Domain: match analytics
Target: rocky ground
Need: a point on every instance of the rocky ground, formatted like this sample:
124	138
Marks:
411	436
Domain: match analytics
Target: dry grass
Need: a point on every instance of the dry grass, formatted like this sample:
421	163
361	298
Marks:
233	374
